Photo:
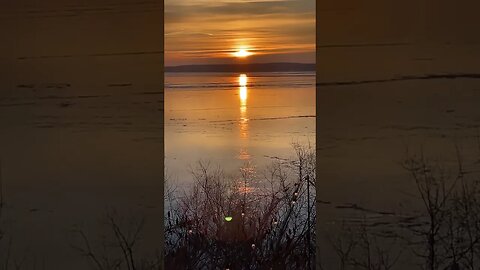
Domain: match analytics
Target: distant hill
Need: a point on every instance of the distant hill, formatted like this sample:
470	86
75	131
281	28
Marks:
255	67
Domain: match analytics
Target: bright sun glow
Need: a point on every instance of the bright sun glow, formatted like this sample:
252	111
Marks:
243	94
242	80
242	53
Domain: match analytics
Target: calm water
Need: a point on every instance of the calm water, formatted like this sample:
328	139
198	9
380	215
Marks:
232	118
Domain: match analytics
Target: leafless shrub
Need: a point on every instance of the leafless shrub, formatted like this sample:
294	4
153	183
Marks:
451	235
262	221
358	246
117	248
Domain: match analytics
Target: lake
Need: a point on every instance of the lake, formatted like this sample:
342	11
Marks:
246	125
233	118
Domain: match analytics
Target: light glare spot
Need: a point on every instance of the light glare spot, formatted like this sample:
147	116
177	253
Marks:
242	80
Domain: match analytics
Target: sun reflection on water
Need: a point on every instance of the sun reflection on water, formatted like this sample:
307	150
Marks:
243	96
242	80
243	123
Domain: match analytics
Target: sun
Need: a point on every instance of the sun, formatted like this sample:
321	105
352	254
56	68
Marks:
242	53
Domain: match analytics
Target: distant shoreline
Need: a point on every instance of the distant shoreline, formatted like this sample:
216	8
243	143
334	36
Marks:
254	67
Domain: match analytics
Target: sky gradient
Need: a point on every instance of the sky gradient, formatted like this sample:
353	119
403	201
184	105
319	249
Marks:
209	31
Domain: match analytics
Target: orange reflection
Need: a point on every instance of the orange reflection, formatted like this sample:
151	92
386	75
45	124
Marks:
247	179
248	170
242	80
243	123
244	155
243	94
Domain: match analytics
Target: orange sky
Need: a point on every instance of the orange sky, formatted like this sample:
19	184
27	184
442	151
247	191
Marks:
354	35
209	31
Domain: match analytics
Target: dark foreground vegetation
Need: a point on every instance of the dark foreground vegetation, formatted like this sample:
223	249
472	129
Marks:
266	220
254	220
444	234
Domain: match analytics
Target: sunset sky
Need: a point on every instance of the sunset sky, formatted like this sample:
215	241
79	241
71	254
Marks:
202	31
212	31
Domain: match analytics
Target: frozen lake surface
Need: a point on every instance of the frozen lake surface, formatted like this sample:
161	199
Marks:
229	118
